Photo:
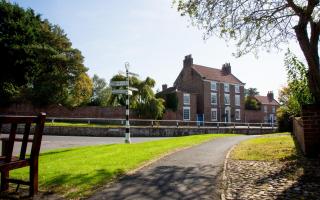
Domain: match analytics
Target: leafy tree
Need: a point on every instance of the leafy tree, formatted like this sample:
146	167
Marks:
295	94
297	79
262	25
38	62
81	92
252	104
171	100
143	101
101	92
251	92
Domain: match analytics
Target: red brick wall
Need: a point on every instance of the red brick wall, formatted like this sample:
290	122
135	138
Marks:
170	115
193	106
254	116
311	129
298	132
191	82
60	111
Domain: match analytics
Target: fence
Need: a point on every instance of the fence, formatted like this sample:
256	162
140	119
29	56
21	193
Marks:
164	123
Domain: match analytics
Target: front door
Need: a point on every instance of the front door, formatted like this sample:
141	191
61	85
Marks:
200	119
227	115
271	118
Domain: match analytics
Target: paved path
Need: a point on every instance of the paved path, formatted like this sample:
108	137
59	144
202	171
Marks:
192	173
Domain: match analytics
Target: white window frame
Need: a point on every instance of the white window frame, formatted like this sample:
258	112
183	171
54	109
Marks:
239	117
214	110
237	88
226	87
185	108
211	98
186	101
265	108
237	100
224	99
273	109
213	85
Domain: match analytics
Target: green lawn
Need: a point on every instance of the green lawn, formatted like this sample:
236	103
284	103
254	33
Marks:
77	172
266	148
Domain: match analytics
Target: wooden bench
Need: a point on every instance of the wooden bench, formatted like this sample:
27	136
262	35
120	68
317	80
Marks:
9	162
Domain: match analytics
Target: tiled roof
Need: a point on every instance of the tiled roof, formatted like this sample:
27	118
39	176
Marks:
215	74
264	100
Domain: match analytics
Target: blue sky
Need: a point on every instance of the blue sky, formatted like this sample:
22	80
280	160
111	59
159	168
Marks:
153	38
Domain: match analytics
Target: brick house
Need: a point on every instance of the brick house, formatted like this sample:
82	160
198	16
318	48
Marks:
207	94
267	111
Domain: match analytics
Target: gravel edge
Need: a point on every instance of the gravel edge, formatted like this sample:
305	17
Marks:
224	173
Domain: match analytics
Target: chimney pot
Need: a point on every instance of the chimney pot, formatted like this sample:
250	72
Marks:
270	96
226	69
188	61
164	87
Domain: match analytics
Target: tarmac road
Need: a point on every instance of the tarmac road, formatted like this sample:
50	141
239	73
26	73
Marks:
55	142
189	174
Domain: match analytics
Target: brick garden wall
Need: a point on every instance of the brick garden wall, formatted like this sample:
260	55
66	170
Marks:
311	129
298	133
83	112
254	116
60	111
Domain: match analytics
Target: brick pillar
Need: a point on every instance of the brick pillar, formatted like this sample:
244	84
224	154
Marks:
311	127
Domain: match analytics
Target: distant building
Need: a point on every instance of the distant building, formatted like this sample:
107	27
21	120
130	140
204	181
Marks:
207	94
267	111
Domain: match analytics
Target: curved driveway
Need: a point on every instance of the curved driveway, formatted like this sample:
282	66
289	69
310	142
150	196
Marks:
193	173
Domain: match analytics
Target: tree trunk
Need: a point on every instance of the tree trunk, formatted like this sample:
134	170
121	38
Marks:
309	48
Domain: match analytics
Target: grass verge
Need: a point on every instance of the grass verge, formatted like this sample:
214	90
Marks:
77	172
267	148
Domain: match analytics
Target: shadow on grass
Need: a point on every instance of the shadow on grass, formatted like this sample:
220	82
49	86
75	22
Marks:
166	182
83	184
69	149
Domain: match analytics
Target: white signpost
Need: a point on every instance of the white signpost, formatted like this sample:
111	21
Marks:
119	83
121	92
127	91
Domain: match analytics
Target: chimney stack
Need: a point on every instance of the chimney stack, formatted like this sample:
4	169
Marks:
226	69
188	61
270	96
164	87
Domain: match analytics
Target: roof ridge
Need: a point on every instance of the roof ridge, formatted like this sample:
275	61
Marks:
216	74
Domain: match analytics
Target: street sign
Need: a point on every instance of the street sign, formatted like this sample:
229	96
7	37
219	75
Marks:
130	73
119	83
133	74
133	89
121	92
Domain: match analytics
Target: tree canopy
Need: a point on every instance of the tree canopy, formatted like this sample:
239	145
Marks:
38	62
256	25
143	101
295	94
251	92
101	92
